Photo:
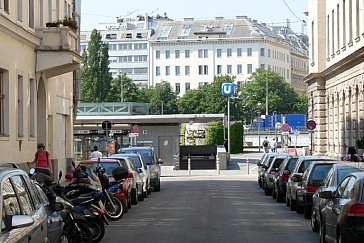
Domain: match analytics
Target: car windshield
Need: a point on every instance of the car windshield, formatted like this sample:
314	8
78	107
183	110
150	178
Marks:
108	166
147	154
343	172
318	174
304	166
277	162
291	163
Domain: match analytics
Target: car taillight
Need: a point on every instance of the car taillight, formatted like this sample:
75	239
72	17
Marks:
356	209
130	175
284	177
311	188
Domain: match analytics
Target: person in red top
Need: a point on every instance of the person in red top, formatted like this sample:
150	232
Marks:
42	160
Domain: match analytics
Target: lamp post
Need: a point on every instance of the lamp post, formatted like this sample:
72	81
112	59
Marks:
259	112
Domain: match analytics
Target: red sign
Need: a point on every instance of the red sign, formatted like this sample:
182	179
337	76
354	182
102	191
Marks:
285	127
136	129
311	124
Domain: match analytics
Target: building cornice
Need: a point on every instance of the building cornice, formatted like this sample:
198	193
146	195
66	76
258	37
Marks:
18	32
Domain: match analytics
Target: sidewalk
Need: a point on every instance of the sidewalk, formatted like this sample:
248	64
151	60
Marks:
237	166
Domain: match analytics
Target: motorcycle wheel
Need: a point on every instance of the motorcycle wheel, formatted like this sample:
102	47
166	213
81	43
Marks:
74	236
111	213
97	228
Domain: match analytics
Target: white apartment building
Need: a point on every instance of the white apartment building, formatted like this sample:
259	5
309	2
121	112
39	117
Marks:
37	77
336	82
189	53
128	46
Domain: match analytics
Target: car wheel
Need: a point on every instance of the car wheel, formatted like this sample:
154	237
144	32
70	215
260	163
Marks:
260	183
279	196
149	190
292	204
322	232
274	195
287	200
314	224
307	210
158	187
134	196
129	200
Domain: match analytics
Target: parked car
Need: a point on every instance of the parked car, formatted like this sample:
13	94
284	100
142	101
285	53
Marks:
264	165
334	177
153	164
141	166
271	171
281	178
342	218
294	179
259	164
24	218
311	180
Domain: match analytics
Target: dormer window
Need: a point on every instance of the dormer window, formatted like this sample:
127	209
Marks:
129	35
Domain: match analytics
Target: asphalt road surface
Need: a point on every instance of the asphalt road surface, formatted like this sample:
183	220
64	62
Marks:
227	208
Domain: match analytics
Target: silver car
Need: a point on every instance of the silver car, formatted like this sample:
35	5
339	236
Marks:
24	218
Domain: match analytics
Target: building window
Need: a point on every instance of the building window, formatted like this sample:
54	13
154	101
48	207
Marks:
178	88
157	54
168	70
168	54
187	70
178	70
344	23
57	9
262	52
32	108
333	31
187	53
268	52
239	52
219	52
6	6
4	101
338	26
20	106
328	36
176	53
20	10
157	71
250	68
219	69
313	41
41	13
249	52
350	21
187	86
203	69
287	73
229	52
239	68
202	53
357	13
229	69
112	47
262	66
205	53
31	14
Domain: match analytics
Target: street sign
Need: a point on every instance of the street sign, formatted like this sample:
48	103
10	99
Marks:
136	129
228	89
106	125
311	124
278	125
285	127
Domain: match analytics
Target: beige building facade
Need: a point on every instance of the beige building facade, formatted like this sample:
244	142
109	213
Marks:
38	66
336	79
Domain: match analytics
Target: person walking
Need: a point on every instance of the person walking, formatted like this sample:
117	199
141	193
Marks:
266	145
42	160
273	146
96	153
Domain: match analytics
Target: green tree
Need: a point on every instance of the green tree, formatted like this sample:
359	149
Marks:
129	89
95	75
160	97
281	96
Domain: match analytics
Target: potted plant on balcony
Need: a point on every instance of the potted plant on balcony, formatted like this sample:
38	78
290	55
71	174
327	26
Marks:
52	24
360	146
68	21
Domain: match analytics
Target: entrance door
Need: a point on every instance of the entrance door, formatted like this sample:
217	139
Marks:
165	144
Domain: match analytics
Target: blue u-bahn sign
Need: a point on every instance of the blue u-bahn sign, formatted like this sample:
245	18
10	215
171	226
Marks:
228	89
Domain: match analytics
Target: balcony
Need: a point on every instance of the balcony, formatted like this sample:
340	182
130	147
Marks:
58	52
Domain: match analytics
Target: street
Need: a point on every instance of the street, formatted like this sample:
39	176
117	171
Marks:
208	208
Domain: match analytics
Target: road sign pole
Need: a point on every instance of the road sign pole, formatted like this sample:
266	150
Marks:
228	124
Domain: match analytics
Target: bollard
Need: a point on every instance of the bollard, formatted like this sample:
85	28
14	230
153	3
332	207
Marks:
247	162
189	166
218	166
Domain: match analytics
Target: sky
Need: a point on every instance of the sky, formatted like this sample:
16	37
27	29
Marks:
274	12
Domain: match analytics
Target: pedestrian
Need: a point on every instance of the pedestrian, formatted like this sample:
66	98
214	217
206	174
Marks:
42	160
266	145
273	146
96	153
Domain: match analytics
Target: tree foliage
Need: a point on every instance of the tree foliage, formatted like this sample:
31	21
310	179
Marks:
128	93
95	75
159	97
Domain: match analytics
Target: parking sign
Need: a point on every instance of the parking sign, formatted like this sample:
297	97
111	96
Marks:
228	89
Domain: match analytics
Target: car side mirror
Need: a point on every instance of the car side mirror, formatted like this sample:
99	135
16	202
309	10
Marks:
59	175
57	206
326	194
296	177
160	161
18	221
140	170
276	169
32	171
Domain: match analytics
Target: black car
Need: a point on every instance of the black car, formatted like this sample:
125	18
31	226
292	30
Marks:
334	177
343	216
280	181
153	164
311	180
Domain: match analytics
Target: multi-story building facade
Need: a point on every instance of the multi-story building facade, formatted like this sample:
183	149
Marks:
37	76
190	53
128	46
336	82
